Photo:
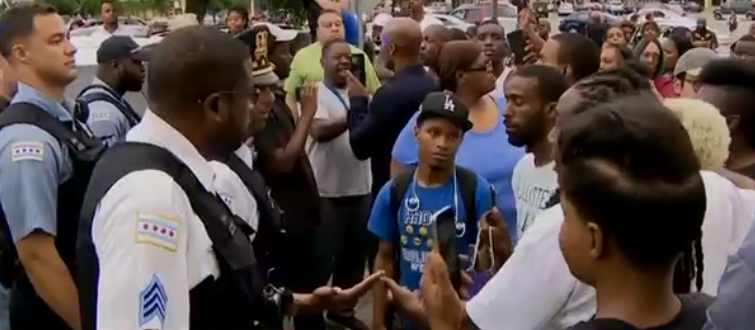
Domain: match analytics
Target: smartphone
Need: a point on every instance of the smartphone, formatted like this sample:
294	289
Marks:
444	223
357	68
517	43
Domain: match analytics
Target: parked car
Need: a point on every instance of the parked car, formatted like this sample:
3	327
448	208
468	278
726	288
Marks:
474	13
565	9
616	7
577	22
737	7
452	21
691	7
664	16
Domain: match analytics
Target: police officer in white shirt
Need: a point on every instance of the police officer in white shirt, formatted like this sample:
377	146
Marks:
158	249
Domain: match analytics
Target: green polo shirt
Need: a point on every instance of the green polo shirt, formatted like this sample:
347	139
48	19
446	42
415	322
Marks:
306	67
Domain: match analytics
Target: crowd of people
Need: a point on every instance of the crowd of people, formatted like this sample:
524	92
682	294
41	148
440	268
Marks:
590	184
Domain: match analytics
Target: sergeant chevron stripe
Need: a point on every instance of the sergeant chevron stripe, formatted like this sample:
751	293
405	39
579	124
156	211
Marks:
153	303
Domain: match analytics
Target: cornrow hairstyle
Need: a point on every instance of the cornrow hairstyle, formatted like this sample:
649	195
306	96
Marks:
602	87
606	85
625	167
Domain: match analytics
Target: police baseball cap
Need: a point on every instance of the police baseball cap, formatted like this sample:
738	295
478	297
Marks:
257	40
693	61
447	106
118	47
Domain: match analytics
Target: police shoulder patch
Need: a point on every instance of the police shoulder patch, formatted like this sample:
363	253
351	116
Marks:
153	302
158	230
27	150
99	114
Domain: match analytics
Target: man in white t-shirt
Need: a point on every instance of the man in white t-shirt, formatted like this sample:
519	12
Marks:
532	93
343	181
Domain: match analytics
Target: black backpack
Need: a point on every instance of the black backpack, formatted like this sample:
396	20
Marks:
104	93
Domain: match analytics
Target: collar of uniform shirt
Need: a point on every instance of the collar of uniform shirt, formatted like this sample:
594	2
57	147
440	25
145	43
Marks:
63	111
156	131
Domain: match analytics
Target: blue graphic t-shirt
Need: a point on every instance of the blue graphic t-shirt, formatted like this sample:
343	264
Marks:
486	153
411	228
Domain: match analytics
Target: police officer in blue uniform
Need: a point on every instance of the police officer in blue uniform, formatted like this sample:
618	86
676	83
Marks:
46	157
119	70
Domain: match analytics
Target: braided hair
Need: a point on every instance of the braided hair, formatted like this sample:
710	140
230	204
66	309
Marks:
607	85
602	87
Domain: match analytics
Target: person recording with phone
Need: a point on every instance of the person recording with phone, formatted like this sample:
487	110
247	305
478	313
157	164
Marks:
403	210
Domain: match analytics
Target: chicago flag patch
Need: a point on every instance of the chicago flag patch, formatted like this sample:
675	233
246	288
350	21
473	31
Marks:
158	230
28	150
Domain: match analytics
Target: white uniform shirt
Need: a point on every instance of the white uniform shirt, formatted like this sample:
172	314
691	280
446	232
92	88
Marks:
151	246
534	290
234	192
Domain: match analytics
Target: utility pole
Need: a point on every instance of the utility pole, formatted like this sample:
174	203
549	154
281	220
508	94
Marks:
494	10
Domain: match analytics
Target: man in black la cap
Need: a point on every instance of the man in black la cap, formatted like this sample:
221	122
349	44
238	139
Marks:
403	210
119	70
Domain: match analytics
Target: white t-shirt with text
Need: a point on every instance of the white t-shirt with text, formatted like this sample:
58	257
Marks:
533	186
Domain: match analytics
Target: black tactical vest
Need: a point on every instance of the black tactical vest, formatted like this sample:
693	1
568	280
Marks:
270	239
107	94
27	309
229	302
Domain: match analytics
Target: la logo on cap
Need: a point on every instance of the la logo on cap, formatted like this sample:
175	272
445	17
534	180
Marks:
449	105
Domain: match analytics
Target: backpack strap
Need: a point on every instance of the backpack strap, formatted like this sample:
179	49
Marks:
104	94
467	181
127	157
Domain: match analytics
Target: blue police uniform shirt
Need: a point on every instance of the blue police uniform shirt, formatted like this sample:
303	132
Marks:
412	229
105	120
32	166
